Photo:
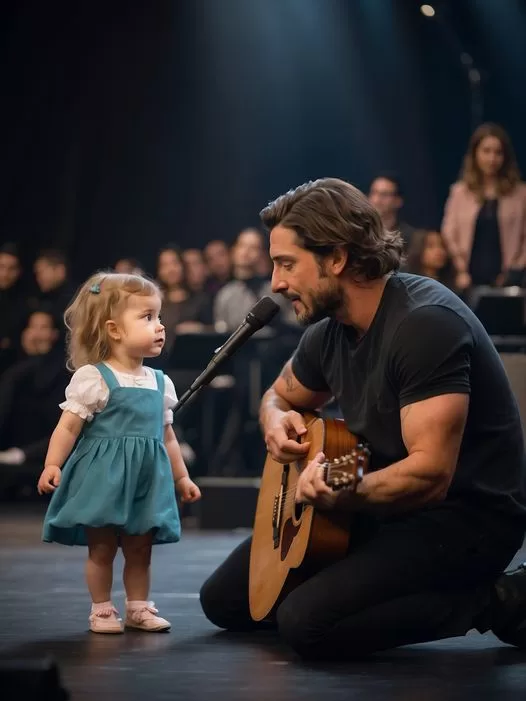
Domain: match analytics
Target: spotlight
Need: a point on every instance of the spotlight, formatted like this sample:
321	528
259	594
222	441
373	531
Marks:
427	10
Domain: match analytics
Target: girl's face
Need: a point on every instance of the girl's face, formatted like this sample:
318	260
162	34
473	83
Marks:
434	255
489	155
138	330
170	269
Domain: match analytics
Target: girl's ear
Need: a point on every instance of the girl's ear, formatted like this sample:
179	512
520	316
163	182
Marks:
113	330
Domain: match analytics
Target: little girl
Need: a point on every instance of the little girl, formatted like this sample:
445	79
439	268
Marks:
113	457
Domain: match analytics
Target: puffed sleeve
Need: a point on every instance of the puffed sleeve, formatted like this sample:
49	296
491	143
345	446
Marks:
86	394
170	400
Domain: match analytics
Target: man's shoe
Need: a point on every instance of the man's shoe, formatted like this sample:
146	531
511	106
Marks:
509	616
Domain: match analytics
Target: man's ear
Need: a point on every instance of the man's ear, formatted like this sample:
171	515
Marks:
340	256
113	330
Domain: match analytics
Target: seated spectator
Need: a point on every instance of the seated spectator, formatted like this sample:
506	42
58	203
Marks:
30	393
237	297
12	304
53	286
385	195
183	311
196	269
217	257
131	266
428	256
40	333
237	447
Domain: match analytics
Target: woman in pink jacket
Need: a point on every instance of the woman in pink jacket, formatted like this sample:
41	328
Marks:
484	223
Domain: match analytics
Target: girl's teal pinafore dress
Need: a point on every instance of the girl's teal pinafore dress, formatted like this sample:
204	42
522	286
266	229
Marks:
119	473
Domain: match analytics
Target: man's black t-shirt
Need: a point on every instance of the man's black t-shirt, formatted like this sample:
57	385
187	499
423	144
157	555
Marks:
423	342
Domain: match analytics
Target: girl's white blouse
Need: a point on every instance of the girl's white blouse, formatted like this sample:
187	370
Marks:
87	393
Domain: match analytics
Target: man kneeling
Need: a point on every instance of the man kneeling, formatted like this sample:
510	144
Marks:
443	509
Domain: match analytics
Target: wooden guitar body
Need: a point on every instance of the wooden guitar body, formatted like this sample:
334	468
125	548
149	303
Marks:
289	540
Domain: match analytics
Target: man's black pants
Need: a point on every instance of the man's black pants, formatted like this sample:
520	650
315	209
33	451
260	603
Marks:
413	578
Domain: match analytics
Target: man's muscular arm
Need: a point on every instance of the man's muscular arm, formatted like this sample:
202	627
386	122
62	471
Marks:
432	431
279	418
288	393
430	363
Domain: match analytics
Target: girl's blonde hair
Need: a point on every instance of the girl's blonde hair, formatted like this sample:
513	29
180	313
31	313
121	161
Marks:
101	298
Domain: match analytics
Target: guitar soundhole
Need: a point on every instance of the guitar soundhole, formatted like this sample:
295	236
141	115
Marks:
298	511
287	538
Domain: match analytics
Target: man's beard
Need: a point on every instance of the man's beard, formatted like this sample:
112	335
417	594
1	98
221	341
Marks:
324	303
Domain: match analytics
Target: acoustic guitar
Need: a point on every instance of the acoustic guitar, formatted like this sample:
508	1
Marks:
290	540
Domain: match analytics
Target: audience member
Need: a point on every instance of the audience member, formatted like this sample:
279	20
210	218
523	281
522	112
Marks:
131	266
484	223
12	304
385	194
237	297
428	256
30	393
196	269
218	260
183	311
53	285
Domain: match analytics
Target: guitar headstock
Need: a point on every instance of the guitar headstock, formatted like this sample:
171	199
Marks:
347	471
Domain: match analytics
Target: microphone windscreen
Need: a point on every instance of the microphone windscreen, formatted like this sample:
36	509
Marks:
262	312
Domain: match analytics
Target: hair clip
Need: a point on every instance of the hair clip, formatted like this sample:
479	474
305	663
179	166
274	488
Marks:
95	289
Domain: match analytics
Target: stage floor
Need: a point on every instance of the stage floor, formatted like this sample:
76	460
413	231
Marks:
45	609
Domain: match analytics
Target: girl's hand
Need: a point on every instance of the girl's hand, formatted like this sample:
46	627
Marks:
187	490
49	479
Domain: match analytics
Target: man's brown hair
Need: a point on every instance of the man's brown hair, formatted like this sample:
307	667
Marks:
327	213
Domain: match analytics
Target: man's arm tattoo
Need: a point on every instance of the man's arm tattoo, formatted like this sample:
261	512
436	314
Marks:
288	376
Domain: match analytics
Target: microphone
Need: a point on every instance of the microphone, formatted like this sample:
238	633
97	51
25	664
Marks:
260	315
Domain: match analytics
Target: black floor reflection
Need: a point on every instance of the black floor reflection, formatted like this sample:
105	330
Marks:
45	610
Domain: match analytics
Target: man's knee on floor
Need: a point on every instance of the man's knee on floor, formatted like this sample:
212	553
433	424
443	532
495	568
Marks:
296	630
223	610
311	639
212	603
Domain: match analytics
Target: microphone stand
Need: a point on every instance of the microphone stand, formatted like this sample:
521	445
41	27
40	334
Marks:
258	317
187	396
193	391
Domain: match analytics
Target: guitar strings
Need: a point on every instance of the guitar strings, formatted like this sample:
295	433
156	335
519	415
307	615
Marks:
292	490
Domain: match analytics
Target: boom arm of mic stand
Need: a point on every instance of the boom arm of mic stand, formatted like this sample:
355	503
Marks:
186	397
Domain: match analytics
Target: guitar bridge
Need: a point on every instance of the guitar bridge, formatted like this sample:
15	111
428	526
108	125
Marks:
277	509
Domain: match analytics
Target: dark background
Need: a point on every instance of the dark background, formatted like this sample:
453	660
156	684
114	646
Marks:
126	125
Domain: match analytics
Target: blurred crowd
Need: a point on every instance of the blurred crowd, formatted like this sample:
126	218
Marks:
208	292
